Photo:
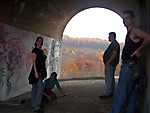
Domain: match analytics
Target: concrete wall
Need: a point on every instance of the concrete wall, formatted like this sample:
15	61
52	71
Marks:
145	14
145	25
15	59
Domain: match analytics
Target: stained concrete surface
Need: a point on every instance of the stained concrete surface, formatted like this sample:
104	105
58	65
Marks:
82	97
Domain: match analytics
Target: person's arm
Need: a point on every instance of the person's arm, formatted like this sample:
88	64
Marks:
113	56
34	65
146	40
59	88
114	53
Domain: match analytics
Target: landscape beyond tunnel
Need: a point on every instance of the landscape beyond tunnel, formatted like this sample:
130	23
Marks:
85	38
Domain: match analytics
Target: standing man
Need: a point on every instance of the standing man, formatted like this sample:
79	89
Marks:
136	39
111	59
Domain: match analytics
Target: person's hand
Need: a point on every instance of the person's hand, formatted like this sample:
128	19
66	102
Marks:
45	51
107	63
136	53
36	75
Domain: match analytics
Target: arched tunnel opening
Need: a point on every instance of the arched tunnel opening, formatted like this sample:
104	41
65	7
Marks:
85	38
24	20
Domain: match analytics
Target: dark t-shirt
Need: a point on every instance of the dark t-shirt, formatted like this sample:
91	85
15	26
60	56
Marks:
40	63
129	48
107	54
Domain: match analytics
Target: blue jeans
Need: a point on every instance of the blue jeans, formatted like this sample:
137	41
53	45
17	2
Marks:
125	95
37	89
109	79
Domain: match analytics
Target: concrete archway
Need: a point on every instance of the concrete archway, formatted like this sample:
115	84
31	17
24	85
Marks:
84	41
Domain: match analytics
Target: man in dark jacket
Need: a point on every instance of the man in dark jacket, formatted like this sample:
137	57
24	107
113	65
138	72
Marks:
111	59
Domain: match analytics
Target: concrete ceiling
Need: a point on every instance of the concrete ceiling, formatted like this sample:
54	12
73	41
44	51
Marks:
49	17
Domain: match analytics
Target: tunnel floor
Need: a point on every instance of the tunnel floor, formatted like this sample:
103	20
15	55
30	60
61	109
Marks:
82	97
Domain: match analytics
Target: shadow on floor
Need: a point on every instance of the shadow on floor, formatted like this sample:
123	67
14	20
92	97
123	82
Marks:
82	97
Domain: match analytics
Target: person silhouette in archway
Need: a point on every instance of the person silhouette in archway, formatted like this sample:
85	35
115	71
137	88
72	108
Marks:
111	59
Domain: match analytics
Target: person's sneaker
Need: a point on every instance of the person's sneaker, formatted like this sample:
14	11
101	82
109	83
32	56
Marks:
105	96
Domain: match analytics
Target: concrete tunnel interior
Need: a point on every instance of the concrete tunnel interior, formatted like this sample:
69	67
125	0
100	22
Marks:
24	20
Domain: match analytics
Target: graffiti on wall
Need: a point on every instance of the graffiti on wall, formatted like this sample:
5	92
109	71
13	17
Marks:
15	54
12	57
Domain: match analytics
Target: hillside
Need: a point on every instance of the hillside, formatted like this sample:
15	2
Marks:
84	42
83	57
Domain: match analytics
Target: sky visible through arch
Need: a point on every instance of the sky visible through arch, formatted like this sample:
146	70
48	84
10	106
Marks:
96	23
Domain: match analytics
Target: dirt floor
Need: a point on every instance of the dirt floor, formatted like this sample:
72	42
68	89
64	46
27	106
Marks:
82	97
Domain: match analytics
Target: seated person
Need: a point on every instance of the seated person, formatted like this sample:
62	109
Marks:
49	84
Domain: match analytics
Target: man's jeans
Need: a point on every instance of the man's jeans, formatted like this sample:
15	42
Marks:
109	79
125	95
36	99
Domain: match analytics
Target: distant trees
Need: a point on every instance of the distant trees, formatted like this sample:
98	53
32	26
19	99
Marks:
81	59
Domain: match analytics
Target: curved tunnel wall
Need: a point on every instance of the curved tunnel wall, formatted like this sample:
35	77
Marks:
49	17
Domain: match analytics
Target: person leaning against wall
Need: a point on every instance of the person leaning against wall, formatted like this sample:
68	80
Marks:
125	97
37	74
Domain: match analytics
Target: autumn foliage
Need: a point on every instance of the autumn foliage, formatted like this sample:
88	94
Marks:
81	60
